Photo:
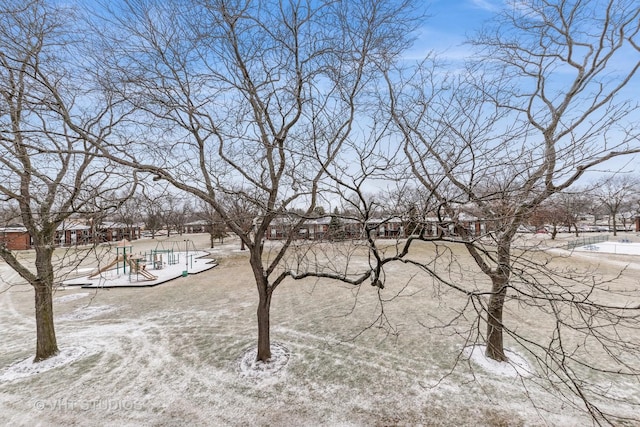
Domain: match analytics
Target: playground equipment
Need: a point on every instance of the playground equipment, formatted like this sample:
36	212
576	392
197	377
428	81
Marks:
161	256
139	268
109	266
125	257
122	248
158	262
142	265
157	257
133	261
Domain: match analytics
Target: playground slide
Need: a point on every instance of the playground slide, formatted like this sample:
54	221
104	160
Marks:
135	268
148	275
106	267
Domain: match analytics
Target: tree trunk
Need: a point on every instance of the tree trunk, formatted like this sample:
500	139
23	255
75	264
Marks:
495	346
46	344
264	337
499	280
615	226
264	304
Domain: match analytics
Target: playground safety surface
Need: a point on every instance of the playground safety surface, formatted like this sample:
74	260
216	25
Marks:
193	263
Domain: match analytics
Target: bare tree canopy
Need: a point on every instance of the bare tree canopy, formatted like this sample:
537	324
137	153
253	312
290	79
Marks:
48	168
615	193
545	99
247	100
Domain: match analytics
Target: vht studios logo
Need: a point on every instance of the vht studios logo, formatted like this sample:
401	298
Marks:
87	405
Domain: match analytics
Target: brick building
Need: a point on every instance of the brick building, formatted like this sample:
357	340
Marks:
15	238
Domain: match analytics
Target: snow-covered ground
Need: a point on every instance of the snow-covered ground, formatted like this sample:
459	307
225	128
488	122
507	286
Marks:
620	247
516	366
183	354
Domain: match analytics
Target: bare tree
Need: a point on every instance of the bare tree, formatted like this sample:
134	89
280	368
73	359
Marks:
244	214
248	100
214	224
614	193
48	169
544	103
129	213
152	221
545	215
574	204
151	209
174	212
9	214
563	209
506	138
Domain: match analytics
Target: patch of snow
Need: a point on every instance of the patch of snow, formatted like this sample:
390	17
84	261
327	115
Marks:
249	367
27	367
620	248
71	297
516	366
87	312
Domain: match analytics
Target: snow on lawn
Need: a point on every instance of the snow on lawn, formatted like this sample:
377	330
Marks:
87	312
620	247
251	368
184	354
27	367
70	297
516	366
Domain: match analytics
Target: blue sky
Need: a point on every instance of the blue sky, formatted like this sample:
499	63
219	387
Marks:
459	16
447	27
448	24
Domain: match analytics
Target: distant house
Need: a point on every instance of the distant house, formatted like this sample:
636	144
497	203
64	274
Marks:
70	233
637	223
200	226
322	228
312	229
282	227
73	233
15	238
433	225
381	228
79	233
116	231
387	228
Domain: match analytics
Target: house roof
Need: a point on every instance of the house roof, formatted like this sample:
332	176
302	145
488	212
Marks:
13	229
65	226
198	222
113	224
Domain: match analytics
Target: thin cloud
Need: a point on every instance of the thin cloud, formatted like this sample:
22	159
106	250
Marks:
485	5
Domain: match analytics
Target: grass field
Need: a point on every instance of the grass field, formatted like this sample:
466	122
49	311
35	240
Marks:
172	354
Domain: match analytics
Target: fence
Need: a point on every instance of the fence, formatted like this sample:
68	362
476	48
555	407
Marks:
587	241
